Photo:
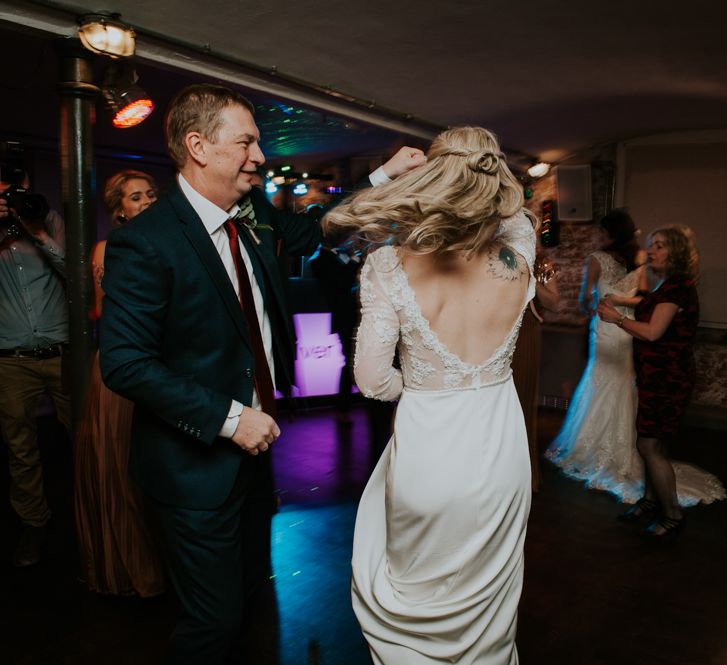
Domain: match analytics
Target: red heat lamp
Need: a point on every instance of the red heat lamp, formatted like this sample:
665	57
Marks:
129	104
133	113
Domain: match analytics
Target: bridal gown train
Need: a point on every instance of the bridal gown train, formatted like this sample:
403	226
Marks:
597	442
438	545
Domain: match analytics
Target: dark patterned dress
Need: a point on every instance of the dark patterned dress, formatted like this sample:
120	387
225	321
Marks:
665	370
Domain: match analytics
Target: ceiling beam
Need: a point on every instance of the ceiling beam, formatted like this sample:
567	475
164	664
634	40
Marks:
60	19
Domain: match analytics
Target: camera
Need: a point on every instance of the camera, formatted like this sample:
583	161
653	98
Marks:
27	205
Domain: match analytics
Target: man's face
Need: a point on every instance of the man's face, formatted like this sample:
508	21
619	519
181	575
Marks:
235	154
4	186
25	184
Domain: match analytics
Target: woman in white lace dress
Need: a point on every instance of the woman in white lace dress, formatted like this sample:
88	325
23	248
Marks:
438	546
597	442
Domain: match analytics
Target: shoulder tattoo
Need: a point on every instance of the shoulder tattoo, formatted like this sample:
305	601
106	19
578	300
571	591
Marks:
505	263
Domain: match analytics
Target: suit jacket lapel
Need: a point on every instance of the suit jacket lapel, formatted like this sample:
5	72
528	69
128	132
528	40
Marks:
258	263
202	244
267	274
263	255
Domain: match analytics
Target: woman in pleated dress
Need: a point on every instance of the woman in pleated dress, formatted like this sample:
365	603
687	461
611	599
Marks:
119	551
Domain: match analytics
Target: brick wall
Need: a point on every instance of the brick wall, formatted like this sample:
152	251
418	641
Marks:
577	241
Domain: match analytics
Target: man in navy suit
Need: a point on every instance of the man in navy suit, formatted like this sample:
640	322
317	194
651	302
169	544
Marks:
196	333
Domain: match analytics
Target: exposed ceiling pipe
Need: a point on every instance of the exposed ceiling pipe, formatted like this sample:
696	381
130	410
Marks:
60	19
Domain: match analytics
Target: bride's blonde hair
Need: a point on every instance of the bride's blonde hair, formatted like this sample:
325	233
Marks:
453	202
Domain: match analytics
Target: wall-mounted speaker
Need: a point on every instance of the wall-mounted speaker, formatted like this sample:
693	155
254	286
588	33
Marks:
574	193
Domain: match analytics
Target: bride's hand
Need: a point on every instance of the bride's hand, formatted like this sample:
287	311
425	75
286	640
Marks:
405	160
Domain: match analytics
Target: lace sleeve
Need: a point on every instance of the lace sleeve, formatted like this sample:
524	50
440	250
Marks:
377	336
518	233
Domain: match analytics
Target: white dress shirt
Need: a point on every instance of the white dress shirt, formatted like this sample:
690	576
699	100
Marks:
214	218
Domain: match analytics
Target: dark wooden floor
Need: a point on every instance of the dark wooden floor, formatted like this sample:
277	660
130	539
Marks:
595	593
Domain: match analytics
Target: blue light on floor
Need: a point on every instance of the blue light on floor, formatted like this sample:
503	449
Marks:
312	566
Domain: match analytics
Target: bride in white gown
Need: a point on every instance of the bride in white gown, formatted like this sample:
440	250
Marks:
597	442
438	545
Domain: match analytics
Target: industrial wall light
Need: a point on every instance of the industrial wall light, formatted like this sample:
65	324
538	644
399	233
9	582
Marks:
103	32
126	100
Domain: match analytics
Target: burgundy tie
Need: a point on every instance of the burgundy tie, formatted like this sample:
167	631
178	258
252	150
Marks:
263	380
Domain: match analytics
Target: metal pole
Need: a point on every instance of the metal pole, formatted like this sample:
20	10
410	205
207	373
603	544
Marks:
77	117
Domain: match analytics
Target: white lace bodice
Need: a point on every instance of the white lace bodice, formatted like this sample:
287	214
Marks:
391	318
614	277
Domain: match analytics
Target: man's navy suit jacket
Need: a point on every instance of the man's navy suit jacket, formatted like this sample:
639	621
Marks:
174	340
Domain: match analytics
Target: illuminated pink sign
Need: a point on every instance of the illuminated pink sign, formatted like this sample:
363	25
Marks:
319	357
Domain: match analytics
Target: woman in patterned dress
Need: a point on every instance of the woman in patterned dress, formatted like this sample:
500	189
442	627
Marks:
663	329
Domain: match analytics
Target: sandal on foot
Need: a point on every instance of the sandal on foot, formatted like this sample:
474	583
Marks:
643	508
665	529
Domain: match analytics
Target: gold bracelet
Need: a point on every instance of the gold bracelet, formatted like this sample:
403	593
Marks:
620	322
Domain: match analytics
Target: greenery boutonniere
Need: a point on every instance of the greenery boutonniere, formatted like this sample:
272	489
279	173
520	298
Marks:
246	216
251	225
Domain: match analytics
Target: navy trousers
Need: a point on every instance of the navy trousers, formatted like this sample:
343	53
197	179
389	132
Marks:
219	564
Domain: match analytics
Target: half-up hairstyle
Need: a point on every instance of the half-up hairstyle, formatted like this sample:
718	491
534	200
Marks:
453	202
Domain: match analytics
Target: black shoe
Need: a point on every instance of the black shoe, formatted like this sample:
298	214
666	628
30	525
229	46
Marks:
643	508
27	552
664	530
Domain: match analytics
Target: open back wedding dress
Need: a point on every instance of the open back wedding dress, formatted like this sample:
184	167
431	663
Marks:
438	545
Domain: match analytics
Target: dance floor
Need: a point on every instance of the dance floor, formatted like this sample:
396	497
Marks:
595	593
